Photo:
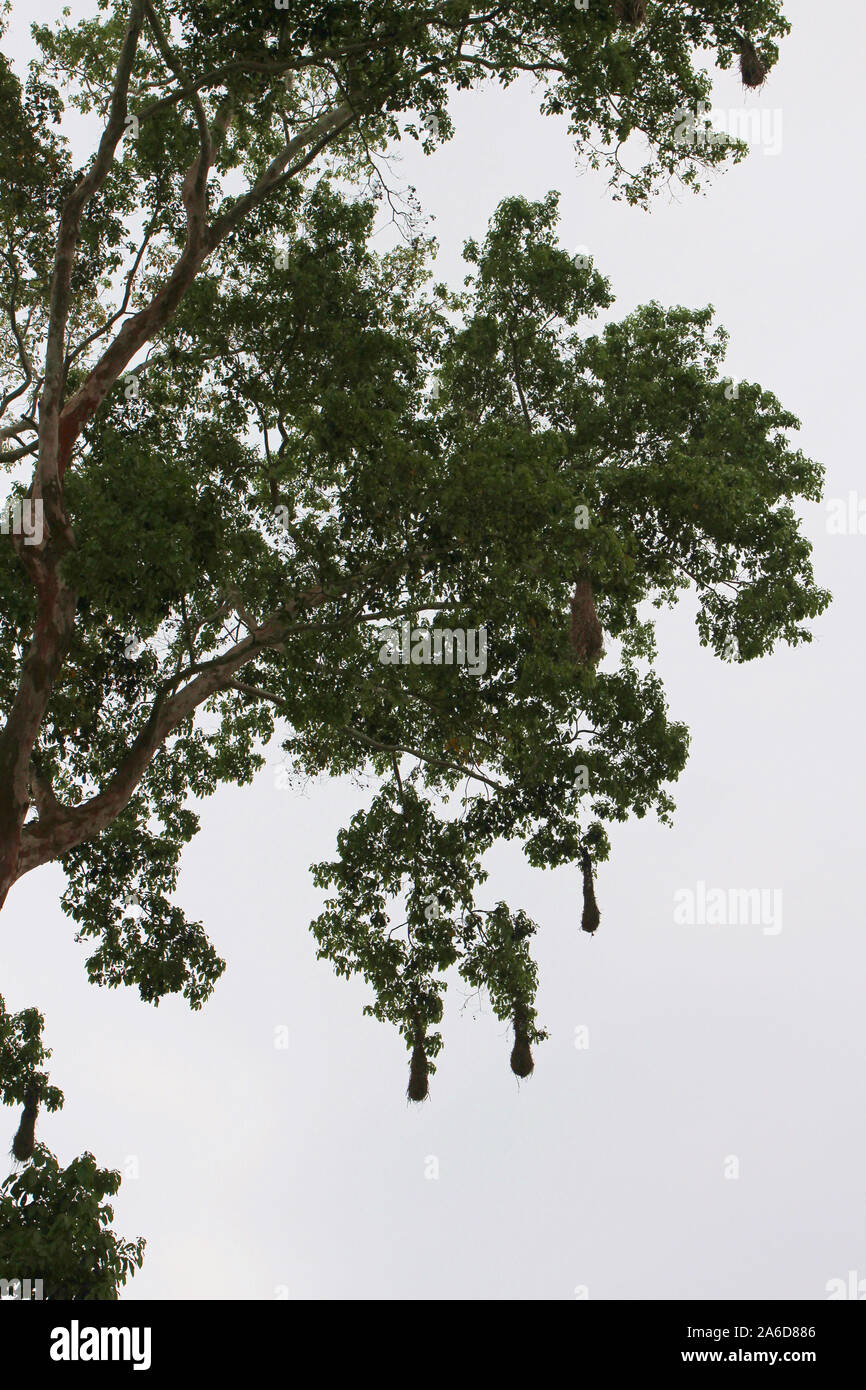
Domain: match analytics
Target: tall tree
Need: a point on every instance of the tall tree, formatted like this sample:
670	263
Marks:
255	450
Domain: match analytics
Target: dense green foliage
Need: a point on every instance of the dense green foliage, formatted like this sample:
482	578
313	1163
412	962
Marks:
55	1226
319	443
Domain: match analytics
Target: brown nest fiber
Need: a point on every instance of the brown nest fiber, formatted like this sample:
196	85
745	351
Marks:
753	70
419	1084
25	1139
591	915
630	11
521	1053
587	638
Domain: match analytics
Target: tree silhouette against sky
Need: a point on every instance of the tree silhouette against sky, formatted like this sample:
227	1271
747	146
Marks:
254	447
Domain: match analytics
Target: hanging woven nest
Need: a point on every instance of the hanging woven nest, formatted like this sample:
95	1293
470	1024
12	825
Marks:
591	915
419	1076
630	11
587	638
24	1142
753	70
521	1053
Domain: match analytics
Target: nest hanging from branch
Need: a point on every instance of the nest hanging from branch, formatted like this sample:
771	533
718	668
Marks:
753	69
24	1142
587	638
419	1076
591	915
630	11
521	1053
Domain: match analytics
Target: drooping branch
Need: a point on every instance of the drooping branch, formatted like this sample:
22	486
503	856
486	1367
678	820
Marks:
446	766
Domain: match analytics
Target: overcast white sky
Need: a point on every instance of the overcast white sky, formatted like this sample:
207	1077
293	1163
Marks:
302	1172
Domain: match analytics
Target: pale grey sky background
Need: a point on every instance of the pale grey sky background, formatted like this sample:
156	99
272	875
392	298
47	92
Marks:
303	1171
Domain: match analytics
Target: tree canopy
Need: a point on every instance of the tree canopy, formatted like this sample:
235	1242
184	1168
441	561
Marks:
283	477
55	1226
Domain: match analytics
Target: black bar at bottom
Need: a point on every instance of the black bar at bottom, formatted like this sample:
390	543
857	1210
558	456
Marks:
86	1340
